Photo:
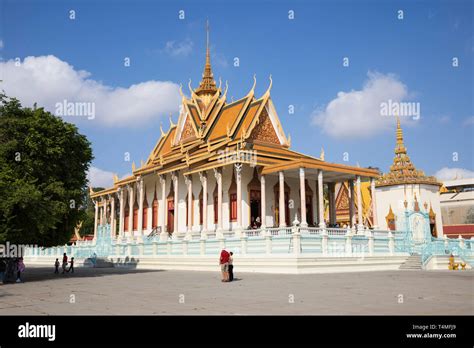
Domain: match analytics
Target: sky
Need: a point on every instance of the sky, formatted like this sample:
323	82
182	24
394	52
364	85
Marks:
334	64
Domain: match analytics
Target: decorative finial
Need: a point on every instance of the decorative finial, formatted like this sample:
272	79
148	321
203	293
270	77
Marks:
116	178
270	86
142	163
171	121
133	166
181	90
190	88
289	139
161	129
220	83
254	84
321	156
226	89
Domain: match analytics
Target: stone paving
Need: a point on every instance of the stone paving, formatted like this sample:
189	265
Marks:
133	292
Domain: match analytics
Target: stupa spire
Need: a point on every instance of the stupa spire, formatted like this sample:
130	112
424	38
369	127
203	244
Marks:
207	85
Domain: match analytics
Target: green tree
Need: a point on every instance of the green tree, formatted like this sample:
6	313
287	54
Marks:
43	175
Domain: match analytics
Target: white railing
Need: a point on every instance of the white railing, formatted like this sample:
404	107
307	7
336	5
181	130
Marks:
252	233
311	230
228	234
279	231
336	231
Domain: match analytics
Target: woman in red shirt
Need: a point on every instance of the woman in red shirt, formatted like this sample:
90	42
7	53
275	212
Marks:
224	263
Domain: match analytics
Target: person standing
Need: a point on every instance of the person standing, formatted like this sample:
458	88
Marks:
64	262
56	267
231	266
224	263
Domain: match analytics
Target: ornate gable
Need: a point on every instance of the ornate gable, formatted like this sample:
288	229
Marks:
188	131
342	199
264	130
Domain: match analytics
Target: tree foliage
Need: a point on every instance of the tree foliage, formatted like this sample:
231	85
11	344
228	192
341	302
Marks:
43	175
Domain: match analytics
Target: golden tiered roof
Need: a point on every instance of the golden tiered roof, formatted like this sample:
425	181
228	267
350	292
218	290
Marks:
403	171
247	130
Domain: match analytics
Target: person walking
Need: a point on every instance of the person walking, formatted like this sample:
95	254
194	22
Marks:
71	267
224	263
56	266
20	269
64	262
231	266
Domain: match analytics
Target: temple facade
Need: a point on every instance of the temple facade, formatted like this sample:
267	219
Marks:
224	168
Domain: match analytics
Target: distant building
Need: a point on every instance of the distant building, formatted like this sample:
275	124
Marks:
457	208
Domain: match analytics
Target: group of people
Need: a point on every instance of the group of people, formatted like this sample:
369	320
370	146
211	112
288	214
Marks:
226	261
64	265
255	223
11	269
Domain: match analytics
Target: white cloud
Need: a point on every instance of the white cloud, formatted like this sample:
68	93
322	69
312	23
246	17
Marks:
183	48
357	114
48	80
469	121
100	178
453	173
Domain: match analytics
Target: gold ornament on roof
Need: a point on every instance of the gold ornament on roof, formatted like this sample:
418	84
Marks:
403	171
321	156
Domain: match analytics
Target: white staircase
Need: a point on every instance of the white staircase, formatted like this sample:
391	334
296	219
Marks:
413	262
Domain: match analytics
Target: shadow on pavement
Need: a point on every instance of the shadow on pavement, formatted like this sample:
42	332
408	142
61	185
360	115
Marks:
37	274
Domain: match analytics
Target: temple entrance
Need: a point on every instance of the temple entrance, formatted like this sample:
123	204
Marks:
170	220
255	207
309	210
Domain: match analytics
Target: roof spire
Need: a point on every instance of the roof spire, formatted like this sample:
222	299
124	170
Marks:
400	148
403	171
207	85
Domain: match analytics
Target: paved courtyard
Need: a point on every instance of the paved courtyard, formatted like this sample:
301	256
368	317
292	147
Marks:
130	292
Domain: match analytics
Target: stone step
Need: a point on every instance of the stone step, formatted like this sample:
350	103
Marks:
413	262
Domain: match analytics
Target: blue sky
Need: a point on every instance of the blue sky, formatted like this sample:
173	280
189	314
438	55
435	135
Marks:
409	57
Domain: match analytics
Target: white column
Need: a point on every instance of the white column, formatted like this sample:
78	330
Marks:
218	175
163	233
238	177
374	204
203	179
122	212
262	202
101	212
140	207
322	224
189	184
112	215
131	199
175	222
281	205
304	222
360	223
332	203
351	204
96	217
